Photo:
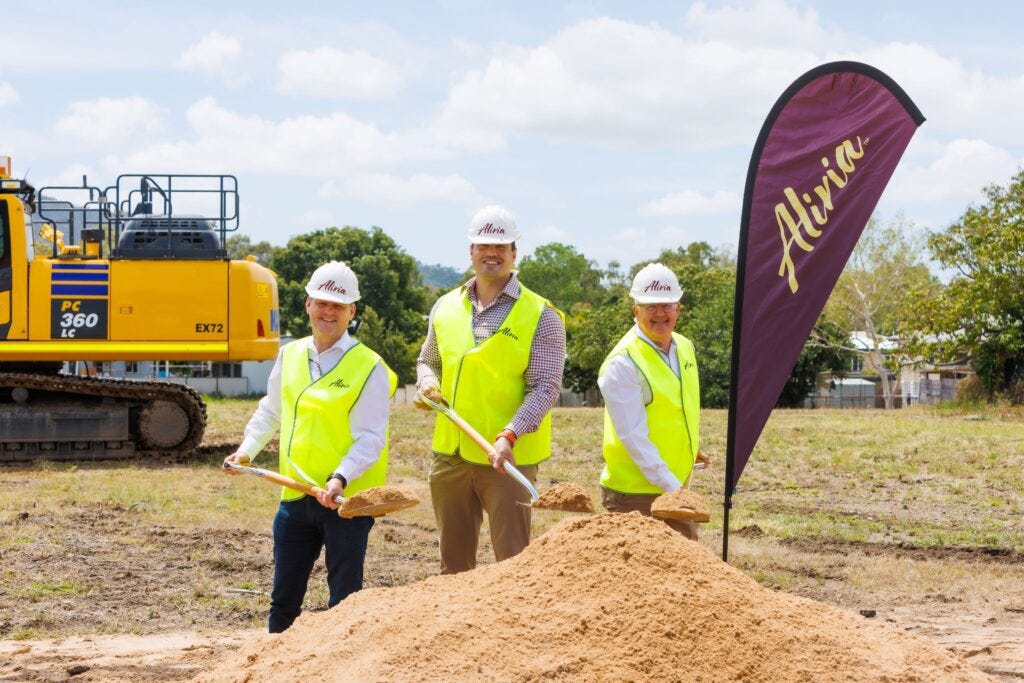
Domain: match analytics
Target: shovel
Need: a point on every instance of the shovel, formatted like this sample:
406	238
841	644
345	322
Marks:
481	442
360	505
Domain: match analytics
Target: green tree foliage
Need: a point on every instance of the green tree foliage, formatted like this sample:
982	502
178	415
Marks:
563	275
240	246
393	303
981	312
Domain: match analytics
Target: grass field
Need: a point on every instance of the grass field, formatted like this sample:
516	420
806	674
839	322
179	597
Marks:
915	514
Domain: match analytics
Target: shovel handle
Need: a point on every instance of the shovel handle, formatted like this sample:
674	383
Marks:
283	480
480	441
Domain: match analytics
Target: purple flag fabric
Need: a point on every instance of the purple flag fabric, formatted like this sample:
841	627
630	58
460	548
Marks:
822	159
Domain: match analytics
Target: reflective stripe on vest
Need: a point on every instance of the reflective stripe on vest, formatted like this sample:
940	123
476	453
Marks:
484	382
315	430
673	415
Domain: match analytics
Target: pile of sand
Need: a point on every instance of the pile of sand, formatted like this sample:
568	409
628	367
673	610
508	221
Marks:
379	501
681	504
599	598
565	496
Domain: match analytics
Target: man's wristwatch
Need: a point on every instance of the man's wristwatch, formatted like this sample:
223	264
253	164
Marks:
340	478
508	434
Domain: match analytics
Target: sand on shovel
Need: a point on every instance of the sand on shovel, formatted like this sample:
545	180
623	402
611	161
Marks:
607	597
683	504
565	496
379	501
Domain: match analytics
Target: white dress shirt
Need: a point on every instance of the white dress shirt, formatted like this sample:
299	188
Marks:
626	392
368	419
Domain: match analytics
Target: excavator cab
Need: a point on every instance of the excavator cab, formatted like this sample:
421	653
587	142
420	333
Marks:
134	271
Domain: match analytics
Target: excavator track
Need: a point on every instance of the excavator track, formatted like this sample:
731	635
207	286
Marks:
66	417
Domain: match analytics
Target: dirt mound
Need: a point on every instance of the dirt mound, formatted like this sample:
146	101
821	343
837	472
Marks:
379	501
600	598
681	504
565	496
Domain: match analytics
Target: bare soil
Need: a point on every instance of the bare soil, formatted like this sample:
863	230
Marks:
135	597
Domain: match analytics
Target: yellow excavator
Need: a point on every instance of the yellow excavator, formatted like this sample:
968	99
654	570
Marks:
135	271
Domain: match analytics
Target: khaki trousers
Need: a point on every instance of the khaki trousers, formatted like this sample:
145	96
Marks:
613	501
461	493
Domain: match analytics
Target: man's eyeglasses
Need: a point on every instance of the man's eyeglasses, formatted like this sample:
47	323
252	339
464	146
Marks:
657	308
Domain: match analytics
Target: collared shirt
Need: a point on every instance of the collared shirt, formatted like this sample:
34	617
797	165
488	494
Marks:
368	418
543	373
626	393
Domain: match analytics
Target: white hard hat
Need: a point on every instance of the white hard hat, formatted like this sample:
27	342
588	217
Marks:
655	284
493	225
335	282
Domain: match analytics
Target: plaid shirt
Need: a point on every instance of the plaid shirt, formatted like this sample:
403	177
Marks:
543	373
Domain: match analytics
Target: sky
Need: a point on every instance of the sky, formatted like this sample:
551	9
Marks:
620	128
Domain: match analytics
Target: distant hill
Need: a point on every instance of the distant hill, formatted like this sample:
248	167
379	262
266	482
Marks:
436	275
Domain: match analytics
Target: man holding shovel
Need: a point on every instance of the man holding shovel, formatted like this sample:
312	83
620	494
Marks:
329	397
652	403
495	350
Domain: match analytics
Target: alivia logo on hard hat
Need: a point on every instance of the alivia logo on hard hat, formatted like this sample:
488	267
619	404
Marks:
331	286
657	286
490	229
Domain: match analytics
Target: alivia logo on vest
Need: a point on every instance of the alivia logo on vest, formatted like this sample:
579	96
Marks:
340	383
507	331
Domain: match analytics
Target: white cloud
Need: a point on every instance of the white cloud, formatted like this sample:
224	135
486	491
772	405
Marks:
955	100
216	56
107	121
380	188
331	73
958	174
614	82
335	145
688	203
8	95
769	23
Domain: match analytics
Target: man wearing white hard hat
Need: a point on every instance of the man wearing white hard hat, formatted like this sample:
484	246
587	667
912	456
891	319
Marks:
495	351
328	395
652	402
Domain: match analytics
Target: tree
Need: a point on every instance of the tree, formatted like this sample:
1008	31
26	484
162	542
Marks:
876	292
240	246
393	300
982	309
563	275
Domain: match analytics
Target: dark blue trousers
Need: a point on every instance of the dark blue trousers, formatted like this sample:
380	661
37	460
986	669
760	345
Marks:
301	528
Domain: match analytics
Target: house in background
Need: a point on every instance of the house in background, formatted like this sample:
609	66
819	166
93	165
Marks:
917	381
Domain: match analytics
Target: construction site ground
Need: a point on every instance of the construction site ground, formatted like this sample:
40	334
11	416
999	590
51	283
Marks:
157	571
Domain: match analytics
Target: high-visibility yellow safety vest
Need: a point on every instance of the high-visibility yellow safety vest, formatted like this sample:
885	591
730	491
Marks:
315	430
484	382
673	415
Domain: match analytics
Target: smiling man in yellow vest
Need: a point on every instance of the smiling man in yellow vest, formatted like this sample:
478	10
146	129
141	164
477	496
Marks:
652	402
329	397
495	350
